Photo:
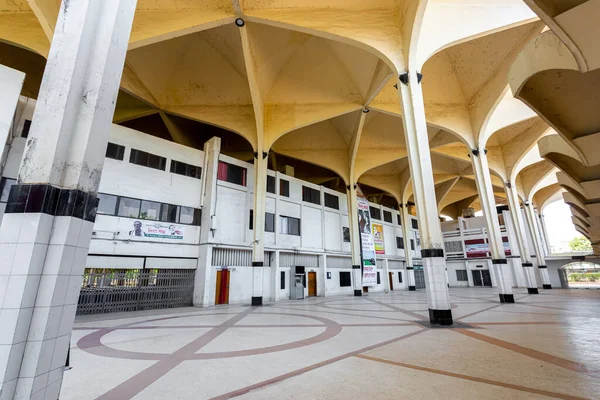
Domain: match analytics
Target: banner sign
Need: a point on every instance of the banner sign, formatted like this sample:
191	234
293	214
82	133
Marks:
157	230
367	241
378	239
478	248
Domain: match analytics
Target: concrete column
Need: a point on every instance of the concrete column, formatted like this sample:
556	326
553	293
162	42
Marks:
322	286
11	83
537	245
410	271
419	158
545	233
205	269
355	240
517	220
469	275
500	267
386	278
46	231
258	245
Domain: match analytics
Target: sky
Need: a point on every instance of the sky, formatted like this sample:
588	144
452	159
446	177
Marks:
560	229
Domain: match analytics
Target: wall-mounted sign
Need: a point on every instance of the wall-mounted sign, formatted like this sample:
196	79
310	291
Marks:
477	248
158	230
367	242
378	239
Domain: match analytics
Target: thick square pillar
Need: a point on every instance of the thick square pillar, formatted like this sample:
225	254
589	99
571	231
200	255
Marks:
258	245
419	161
537	245
11	83
46	231
355	240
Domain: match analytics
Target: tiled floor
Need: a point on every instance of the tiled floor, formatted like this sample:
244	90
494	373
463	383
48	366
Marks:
375	347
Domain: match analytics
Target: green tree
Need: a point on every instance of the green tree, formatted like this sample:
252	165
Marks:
580	244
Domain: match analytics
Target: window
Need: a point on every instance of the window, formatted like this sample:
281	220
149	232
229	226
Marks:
332	201
461	275
270	184
115	151
399	219
231	173
378	278
311	195
144	159
284	188
289	226
345	280
415	224
346	234
269	222
282	280
399	242
412	244
180	168
400	276
375	213
387	216
150	210
129	208
188	215
107	204
170	213
5	185
26	128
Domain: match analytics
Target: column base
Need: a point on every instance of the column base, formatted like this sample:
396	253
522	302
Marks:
547	286
412	288
507	298
440	317
358	292
257	301
533	290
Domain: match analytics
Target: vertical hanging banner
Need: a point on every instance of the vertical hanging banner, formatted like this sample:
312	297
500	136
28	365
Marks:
367	241
378	239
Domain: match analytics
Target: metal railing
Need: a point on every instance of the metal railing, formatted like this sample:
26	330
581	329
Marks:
117	290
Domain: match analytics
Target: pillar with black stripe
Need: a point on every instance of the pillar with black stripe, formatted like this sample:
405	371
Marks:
258	245
421	170
46	230
540	255
408	256
500	267
355	240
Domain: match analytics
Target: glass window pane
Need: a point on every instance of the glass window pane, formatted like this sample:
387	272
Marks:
150	210
5	186
284	188
129	207
107	204
346	234
169	213
270	184
186	215
269	222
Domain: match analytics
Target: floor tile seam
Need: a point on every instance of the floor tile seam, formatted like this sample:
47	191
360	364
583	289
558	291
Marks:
301	371
472	378
535	354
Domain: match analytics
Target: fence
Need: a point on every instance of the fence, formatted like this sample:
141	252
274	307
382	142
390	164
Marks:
117	290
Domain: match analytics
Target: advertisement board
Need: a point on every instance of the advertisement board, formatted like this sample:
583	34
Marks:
378	239
369	263
477	248
155	229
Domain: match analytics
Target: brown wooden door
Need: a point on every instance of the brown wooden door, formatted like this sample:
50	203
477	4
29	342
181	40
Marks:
312	284
391	280
222	293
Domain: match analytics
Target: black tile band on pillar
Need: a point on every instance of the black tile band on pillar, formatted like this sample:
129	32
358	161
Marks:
257	300
357	292
411	288
48	199
434	261
504	298
531	290
545	286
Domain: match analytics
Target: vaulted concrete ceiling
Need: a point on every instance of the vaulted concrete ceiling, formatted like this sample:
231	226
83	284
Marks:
314	81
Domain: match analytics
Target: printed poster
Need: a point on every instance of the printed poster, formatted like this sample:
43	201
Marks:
157	230
476	248
378	239
367	241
